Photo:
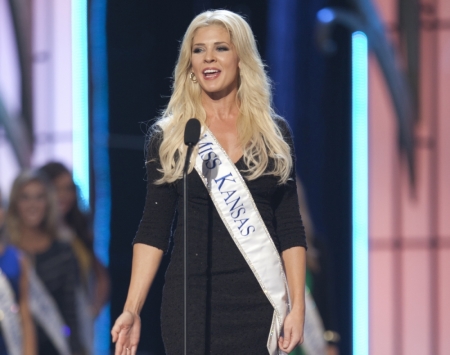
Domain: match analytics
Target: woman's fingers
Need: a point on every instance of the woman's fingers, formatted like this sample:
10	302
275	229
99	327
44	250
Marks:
287	339
128	350
125	333
124	338
119	349
292	332
123	342
116	330
125	350
114	335
292	337
288	347
283	345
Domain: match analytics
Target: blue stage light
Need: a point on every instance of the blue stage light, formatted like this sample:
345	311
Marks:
360	194
100	156
325	15
80	100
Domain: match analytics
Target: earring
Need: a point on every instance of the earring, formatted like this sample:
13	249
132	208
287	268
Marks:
193	78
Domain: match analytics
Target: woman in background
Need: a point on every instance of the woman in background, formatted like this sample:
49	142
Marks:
32	226
76	229
14	266
317	283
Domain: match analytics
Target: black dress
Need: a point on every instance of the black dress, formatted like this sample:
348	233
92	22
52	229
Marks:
228	312
57	269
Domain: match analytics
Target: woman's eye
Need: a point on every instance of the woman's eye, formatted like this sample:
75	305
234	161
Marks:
197	50
222	49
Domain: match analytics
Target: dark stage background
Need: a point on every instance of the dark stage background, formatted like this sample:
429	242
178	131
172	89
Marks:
143	40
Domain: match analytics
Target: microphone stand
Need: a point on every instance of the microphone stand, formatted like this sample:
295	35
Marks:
185	222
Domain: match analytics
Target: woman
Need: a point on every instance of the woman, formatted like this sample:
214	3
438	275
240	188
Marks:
77	230
15	269
32	225
220	79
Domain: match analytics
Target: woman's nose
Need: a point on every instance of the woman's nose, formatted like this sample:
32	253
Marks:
209	56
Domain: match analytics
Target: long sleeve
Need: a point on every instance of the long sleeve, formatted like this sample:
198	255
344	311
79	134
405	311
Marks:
289	225
160	204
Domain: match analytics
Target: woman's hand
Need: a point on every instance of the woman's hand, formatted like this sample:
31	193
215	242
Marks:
295	264
292	330
126	332
127	329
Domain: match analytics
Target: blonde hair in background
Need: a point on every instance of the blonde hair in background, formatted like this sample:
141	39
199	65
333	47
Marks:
49	224
258	131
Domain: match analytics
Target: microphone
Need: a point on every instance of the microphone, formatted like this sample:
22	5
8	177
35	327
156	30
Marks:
191	138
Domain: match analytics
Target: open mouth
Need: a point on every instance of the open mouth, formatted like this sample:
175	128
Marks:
211	73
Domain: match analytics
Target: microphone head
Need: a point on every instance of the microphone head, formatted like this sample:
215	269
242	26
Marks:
192	132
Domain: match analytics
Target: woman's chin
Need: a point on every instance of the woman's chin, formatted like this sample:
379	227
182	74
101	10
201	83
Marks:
33	223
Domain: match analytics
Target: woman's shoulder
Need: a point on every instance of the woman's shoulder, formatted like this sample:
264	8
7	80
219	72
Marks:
154	138
283	125
285	129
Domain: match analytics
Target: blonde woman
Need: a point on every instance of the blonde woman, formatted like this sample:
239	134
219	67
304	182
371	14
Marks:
32	224
246	238
14	289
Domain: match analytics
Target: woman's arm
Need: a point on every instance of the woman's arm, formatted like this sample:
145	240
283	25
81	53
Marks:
29	332
126	331
102	286
295	265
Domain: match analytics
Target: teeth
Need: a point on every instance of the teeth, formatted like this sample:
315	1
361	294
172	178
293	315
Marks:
210	71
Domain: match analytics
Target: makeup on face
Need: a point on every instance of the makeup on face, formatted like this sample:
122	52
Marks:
215	62
32	204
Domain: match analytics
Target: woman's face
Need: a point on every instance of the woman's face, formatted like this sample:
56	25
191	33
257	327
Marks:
65	193
215	62
32	204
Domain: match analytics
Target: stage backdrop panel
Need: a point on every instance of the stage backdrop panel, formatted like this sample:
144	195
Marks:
409	227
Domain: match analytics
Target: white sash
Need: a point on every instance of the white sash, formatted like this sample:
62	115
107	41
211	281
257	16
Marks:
238	211
314	343
46	313
10	322
85	320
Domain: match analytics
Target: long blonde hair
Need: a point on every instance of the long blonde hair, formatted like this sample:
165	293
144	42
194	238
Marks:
258	130
49	224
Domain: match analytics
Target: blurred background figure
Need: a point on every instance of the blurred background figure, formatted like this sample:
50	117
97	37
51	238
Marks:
76	229
32	222
319	281
16	322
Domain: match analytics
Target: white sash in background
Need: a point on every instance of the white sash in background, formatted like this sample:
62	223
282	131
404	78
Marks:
85	320
238	211
314	343
10	324
46	313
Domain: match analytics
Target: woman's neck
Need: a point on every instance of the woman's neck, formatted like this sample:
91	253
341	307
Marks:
221	108
33	240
